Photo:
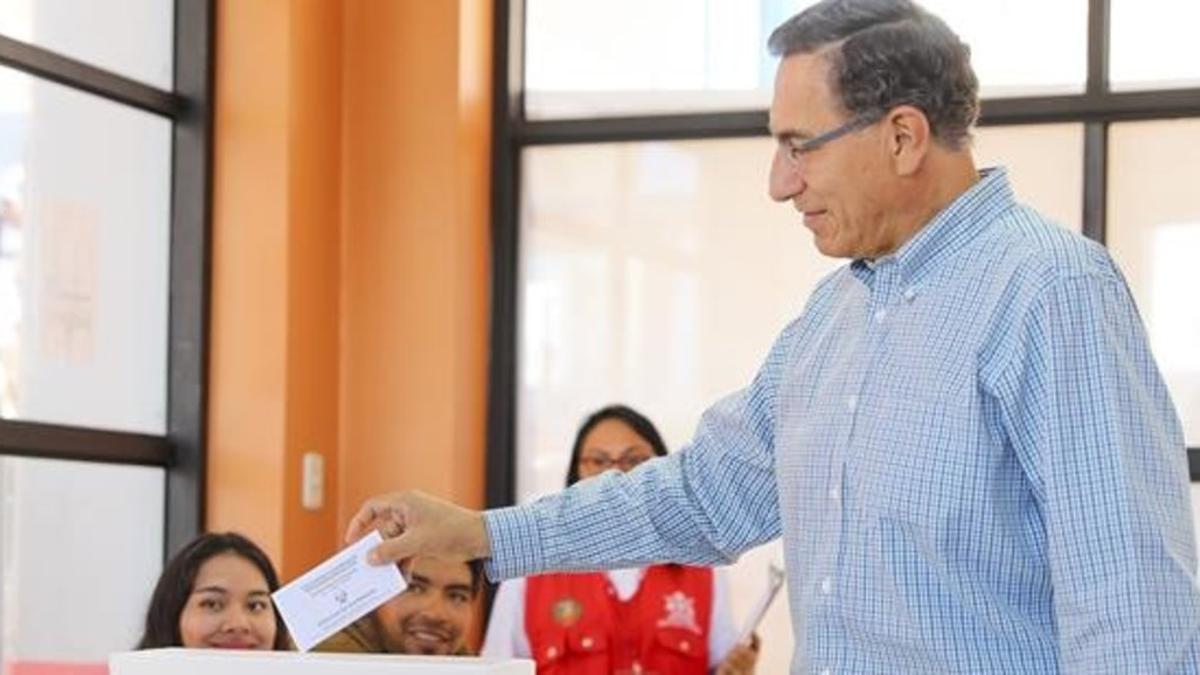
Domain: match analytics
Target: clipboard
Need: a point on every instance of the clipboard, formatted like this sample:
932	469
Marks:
775	579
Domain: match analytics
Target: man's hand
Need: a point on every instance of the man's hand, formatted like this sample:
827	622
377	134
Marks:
415	524
741	659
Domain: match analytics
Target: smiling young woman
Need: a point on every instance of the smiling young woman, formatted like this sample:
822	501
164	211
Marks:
216	593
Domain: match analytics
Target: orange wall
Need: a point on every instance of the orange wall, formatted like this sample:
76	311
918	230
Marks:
314	275
350	260
248	330
415	249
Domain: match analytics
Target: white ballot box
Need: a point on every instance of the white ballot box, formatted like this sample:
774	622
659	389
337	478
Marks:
225	662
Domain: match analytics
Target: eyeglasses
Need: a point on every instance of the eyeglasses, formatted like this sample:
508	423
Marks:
597	463
794	150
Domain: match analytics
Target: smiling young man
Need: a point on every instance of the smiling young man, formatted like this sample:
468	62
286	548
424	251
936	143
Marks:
431	617
963	440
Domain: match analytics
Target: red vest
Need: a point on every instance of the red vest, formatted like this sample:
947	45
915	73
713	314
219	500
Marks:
576	624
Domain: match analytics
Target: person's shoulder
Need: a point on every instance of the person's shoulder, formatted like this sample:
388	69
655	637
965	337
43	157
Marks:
824	296
1041	251
358	638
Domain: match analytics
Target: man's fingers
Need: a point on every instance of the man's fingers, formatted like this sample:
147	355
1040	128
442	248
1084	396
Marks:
381	513
392	551
360	524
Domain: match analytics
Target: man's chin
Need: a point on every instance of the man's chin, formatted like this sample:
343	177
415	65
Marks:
423	648
830	248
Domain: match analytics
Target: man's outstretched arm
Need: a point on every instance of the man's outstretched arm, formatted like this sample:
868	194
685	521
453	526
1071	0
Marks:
702	505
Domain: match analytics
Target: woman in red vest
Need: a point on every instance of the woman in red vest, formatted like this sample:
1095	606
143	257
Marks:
667	619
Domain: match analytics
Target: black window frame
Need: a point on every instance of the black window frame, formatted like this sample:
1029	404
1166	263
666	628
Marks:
189	106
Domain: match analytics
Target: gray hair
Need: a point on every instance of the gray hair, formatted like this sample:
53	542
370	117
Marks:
885	53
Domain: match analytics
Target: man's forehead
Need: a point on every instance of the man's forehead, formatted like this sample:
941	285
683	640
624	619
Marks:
442	572
802	100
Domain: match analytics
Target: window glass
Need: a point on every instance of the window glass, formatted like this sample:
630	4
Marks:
626	57
134	38
1154	44
1045	166
80	550
1154	233
630	57
84	256
1022	47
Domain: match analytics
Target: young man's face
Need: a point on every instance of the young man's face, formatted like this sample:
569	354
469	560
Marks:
430	617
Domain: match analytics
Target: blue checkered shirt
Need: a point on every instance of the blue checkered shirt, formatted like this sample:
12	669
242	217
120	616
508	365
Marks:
967	448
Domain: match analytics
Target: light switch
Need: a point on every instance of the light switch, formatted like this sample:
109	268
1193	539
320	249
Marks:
312	482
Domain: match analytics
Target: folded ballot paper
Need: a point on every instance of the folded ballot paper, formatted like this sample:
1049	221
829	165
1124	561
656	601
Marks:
336	593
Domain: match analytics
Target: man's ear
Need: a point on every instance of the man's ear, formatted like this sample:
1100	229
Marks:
908	138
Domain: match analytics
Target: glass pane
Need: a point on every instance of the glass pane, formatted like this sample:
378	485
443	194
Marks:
658	275
134	38
84	238
81	546
589	59
1154	44
1154	233
585	58
637	261
1045	166
1002	36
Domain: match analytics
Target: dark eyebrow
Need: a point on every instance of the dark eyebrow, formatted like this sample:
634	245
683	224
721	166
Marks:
450	588
420	579
222	591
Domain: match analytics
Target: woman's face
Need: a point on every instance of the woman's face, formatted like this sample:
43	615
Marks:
612	443
229	607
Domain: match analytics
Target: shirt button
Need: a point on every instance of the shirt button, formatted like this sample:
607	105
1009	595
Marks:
880	315
552	652
827	672
684	646
827	585
851	403
910	294
835	493
586	643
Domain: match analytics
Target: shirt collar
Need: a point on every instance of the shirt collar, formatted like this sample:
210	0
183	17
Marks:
949	231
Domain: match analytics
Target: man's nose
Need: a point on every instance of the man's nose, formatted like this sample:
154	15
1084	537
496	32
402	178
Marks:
786	179
436	609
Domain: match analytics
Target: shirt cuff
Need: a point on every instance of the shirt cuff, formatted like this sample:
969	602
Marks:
515	541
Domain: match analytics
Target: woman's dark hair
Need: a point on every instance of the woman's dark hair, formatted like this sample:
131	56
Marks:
635	420
179	576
